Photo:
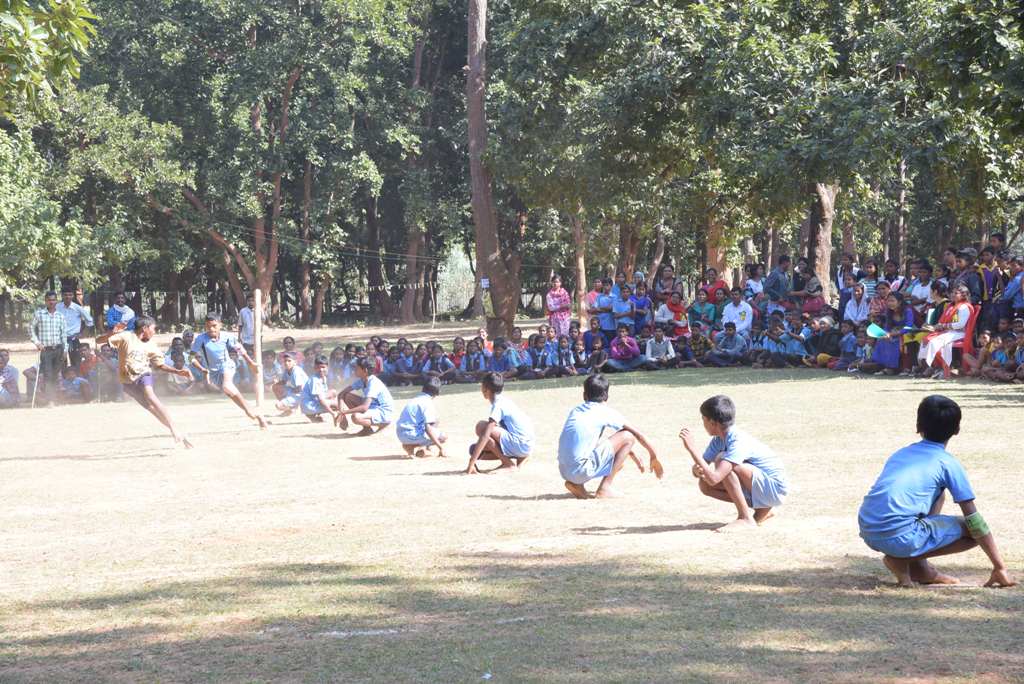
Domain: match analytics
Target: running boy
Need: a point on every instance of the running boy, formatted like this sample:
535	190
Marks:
137	355
900	516
417	426
210	355
507	434
736	467
372	410
584	452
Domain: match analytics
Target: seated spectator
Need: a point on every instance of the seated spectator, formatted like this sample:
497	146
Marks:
738	312
289	387
502	363
289	348
474	364
598	358
594	332
561	360
702	314
10	395
672	317
625	353
580	358
73	389
438	366
88	366
538	360
179	385
659	351
729	348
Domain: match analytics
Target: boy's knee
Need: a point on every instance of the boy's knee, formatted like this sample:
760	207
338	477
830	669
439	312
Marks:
481	427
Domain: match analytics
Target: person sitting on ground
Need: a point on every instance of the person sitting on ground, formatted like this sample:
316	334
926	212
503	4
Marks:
580	357
179	384
372	411
729	348
1013	369
289	348
590	335
74	389
847	346
625	352
438	366
585	453
756	347
417	426
598	358
502	362
739	312
673	318
973	363
110	387
506	436
473	365
243	376
901	515
827	344
289	387
561	360
997	361
702	314
660	353
10	395
272	372
538	360
736	467
317	398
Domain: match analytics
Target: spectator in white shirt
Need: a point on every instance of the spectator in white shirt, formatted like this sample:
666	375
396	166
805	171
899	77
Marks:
739	312
74	315
922	287
247	324
660	352
858	308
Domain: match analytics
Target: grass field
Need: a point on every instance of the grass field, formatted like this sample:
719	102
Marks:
302	555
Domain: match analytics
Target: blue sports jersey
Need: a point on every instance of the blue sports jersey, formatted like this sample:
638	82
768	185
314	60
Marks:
214	353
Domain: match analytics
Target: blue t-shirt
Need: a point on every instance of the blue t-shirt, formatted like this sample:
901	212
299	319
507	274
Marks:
501	365
643	307
214	353
441	365
416	416
582	431
739	447
623	311
314	386
74	386
588	340
911	480
512	420
379	396
607	320
848	345
294	380
473	362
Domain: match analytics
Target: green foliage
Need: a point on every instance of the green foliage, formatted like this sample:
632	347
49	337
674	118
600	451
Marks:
40	46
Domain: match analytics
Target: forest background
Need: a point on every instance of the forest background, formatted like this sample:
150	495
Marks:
352	158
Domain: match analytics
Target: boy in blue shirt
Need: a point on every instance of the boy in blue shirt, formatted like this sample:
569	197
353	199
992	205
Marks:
900	516
602	309
501	362
293	379
210	356
735	467
417	426
507	434
317	398
594	332
585	453
74	389
438	366
372	410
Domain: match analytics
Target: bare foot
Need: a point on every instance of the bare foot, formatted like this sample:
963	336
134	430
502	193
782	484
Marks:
762	515
738	525
365	432
606	492
342	421
636	459
924	572
262	422
900	570
420	453
657	468
577	490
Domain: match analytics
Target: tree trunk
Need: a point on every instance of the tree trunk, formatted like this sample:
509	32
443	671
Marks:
304	268
579	241
503	272
849	243
715	256
822	217
318	302
899	246
413	276
380	299
775	250
629	245
803	248
659	253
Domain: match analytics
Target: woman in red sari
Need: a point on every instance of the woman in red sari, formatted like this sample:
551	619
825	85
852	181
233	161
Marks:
558	307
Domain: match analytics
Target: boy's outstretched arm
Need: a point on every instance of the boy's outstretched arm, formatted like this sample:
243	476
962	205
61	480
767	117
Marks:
712	473
655	463
979	531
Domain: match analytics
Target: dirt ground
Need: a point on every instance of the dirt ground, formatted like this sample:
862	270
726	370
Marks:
300	554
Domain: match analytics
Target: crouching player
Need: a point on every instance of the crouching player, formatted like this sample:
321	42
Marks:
584	453
317	398
736	467
417	425
372	410
507	434
900	516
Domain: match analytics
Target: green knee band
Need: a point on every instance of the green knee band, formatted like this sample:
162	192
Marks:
976	525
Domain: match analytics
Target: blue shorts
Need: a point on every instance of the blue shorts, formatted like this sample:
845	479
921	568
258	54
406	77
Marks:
8	398
378	417
598	463
927	534
314	407
224	376
765	492
412	439
513	447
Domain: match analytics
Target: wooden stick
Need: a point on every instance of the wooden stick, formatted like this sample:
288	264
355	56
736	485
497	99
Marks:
257	344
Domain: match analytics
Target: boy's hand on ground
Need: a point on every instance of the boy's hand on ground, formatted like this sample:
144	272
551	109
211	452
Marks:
1000	578
471	470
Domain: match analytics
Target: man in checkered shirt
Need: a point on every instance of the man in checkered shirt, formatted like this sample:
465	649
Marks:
49	334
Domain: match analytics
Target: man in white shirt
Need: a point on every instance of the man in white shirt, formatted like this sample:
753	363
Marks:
660	352
739	312
247	324
74	315
9	395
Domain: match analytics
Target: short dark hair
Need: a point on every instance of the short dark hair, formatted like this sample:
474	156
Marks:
367	364
494	382
784	259
212	316
938	418
720	409
67	290
177	355
143	321
432	387
320	361
595	388
623	326
998	236
730	324
50	293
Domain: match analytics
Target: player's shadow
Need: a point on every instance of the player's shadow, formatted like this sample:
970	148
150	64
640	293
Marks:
646	529
87	457
386	457
513	497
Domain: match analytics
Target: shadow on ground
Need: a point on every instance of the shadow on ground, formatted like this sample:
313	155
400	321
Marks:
569	619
